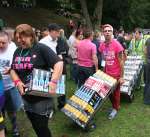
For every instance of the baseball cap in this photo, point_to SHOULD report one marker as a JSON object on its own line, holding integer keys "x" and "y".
{"x": 54, "y": 26}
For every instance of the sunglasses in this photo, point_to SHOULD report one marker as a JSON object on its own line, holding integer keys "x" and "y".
{"x": 107, "y": 30}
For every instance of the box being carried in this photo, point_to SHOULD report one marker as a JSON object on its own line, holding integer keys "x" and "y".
{"x": 39, "y": 84}
{"x": 89, "y": 98}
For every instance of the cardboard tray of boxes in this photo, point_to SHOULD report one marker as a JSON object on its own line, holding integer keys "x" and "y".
{"x": 87, "y": 100}
{"x": 132, "y": 69}
{"x": 38, "y": 84}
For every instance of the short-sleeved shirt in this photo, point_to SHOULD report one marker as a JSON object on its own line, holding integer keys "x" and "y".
{"x": 48, "y": 41}
{"x": 24, "y": 60}
{"x": 5, "y": 61}
{"x": 110, "y": 55}
{"x": 85, "y": 51}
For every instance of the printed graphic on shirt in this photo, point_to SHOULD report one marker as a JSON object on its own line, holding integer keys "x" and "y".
{"x": 3, "y": 64}
{"x": 22, "y": 63}
{"x": 109, "y": 57}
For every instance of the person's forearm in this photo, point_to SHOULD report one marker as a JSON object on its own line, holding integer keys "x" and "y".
{"x": 121, "y": 62}
{"x": 121, "y": 66}
{"x": 13, "y": 75}
{"x": 57, "y": 72}
{"x": 95, "y": 60}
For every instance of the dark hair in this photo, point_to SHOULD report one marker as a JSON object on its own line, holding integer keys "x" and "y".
{"x": 138, "y": 30}
{"x": 78, "y": 32}
{"x": 54, "y": 27}
{"x": 87, "y": 33}
{"x": 44, "y": 29}
{"x": 147, "y": 43}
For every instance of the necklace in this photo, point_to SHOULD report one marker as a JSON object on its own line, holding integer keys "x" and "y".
{"x": 24, "y": 55}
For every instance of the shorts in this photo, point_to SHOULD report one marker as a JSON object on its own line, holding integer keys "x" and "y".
{"x": 13, "y": 100}
{"x": 2, "y": 126}
{"x": 43, "y": 107}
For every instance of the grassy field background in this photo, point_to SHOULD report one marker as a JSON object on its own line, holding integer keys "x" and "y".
{"x": 133, "y": 120}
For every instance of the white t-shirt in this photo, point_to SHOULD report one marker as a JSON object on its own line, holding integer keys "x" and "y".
{"x": 71, "y": 40}
{"x": 5, "y": 61}
{"x": 48, "y": 41}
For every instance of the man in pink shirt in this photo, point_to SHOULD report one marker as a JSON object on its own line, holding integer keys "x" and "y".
{"x": 86, "y": 57}
{"x": 112, "y": 62}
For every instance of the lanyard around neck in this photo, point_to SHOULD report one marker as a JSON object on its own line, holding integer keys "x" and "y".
{"x": 22, "y": 55}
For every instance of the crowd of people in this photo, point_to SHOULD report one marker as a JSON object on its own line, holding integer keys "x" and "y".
{"x": 24, "y": 48}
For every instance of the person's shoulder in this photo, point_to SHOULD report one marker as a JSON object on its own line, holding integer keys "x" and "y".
{"x": 45, "y": 39}
{"x": 41, "y": 46}
{"x": 92, "y": 44}
{"x": 116, "y": 42}
{"x": 12, "y": 45}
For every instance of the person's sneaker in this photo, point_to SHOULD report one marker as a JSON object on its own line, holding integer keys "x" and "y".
{"x": 113, "y": 114}
{"x": 51, "y": 114}
{"x": 109, "y": 110}
{"x": 16, "y": 133}
{"x": 143, "y": 85}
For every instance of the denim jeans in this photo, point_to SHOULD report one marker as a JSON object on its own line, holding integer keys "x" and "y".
{"x": 13, "y": 100}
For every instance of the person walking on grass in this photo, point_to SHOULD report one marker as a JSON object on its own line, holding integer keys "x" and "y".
{"x": 86, "y": 57}
{"x": 30, "y": 55}
{"x": 112, "y": 63}
{"x": 13, "y": 101}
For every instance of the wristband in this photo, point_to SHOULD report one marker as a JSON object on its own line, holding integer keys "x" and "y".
{"x": 54, "y": 81}
{"x": 16, "y": 82}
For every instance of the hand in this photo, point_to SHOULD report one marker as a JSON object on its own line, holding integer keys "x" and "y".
{"x": 52, "y": 88}
{"x": 21, "y": 87}
{"x": 6, "y": 70}
{"x": 121, "y": 81}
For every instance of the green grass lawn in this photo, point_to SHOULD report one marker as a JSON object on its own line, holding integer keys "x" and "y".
{"x": 133, "y": 120}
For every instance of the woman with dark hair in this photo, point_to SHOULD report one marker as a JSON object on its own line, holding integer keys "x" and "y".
{"x": 30, "y": 55}
{"x": 86, "y": 57}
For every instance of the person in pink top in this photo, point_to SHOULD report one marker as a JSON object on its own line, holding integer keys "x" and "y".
{"x": 86, "y": 57}
{"x": 112, "y": 62}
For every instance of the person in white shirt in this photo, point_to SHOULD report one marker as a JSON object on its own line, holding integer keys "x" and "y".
{"x": 13, "y": 101}
{"x": 51, "y": 39}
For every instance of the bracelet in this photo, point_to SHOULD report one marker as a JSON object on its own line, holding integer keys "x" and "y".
{"x": 16, "y": 82}
{"x": 54, "y": 81}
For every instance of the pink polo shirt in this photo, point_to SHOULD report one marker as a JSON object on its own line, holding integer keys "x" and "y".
{"x": 110, "y": 55}
{"x": 85, "y": 51}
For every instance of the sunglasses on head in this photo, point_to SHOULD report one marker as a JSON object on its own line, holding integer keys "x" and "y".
{"x": 107, "y": 30}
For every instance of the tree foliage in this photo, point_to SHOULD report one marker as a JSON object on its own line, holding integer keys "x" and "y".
{"x": 127, "y": 13}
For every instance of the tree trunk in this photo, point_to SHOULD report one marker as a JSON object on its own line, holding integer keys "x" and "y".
{"x": 34, "y": 3}
{"x": 86, "y": 13}
{"x": 98, "y": 14}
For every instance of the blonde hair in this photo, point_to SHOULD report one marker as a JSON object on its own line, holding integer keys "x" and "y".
{"x": 107, "y": 25}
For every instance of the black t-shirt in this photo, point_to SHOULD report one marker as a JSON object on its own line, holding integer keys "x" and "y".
{"x": 24, "y": 60}
{"x": 62, "y": 49}
{"x": 122, "y": 41}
